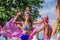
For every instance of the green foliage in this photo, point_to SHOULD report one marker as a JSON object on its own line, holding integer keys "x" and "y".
{"x": 9, "y": 8}
{"x": 59, "y": 28}
{"x": 58, "y": 24}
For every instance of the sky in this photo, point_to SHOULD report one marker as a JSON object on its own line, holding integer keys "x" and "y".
{"x": 49, "y": 9}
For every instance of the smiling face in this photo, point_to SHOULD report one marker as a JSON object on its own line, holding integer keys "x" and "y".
{"x": 26, "y": 16}
{"x": 46, "y": 20}
{"x": 45, "y": 23}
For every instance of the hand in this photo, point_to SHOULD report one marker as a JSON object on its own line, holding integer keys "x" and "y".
{"x": 19, "y": 13}
{"x": 42, "y": 20}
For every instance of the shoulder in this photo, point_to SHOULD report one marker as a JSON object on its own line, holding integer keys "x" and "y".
{"x": 50, "y": 27}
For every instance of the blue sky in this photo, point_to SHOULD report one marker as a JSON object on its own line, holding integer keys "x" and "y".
{"x": 49, "y": 8}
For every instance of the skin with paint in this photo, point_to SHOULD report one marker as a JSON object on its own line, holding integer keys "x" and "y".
{"x": 47, "y": 29}
{"x": 26, "y": 20}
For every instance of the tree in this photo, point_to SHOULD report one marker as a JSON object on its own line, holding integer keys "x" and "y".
{"x": 8, "y": 8}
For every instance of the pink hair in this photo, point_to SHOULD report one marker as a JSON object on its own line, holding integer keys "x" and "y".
{"x": 46, "y": 19}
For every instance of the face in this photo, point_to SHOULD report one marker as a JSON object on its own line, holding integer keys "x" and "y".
{"x": 26, "y": 16}
{"x": 45, "y": 24}
{"x": 46, "y": 20}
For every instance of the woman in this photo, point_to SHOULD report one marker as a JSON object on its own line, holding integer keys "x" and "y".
{"x": 26, "y": 25}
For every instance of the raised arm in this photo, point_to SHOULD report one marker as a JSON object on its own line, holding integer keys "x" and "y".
{"x": 41, "y": 28}
{"x": 15, "y": 18}
{"x": 38, "y": 22}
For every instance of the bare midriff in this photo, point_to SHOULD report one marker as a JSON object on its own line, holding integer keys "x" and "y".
{"x": 26, "y": 32}
{"x": 46, "y": 33}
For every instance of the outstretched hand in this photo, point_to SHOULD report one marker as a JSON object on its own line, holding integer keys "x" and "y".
{"x": 19, "y": 13}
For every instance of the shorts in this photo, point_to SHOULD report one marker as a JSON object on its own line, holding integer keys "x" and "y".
{"x": 24, "y": 37}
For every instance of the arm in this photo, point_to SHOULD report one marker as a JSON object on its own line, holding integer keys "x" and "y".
{"x": 15, "y": 18}
{"x": 17, "y": 22}
{"x": 55, "y": 29}
{"x": 37, "y": 22}
{"x": 20, "y": 26}
{"x": 41, "y": 28}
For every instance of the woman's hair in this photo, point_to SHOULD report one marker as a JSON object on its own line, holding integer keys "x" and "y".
{"x": 30, "y": 21}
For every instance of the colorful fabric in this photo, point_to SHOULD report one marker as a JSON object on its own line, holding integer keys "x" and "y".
{"x": 10, "y": 28}
{"x": 47, "y": 38}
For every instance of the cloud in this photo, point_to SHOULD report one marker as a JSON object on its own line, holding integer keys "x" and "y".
{"x": 48, "y": 7}
{"x": 49, "y": 1}
{"x": 48, "y": 10}
{"x": 51, "y": 22}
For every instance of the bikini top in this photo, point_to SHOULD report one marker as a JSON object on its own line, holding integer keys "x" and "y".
{"x": 25, "y": 27}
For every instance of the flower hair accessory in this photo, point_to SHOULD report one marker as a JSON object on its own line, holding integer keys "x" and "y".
{"x": 27, "y": 12}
